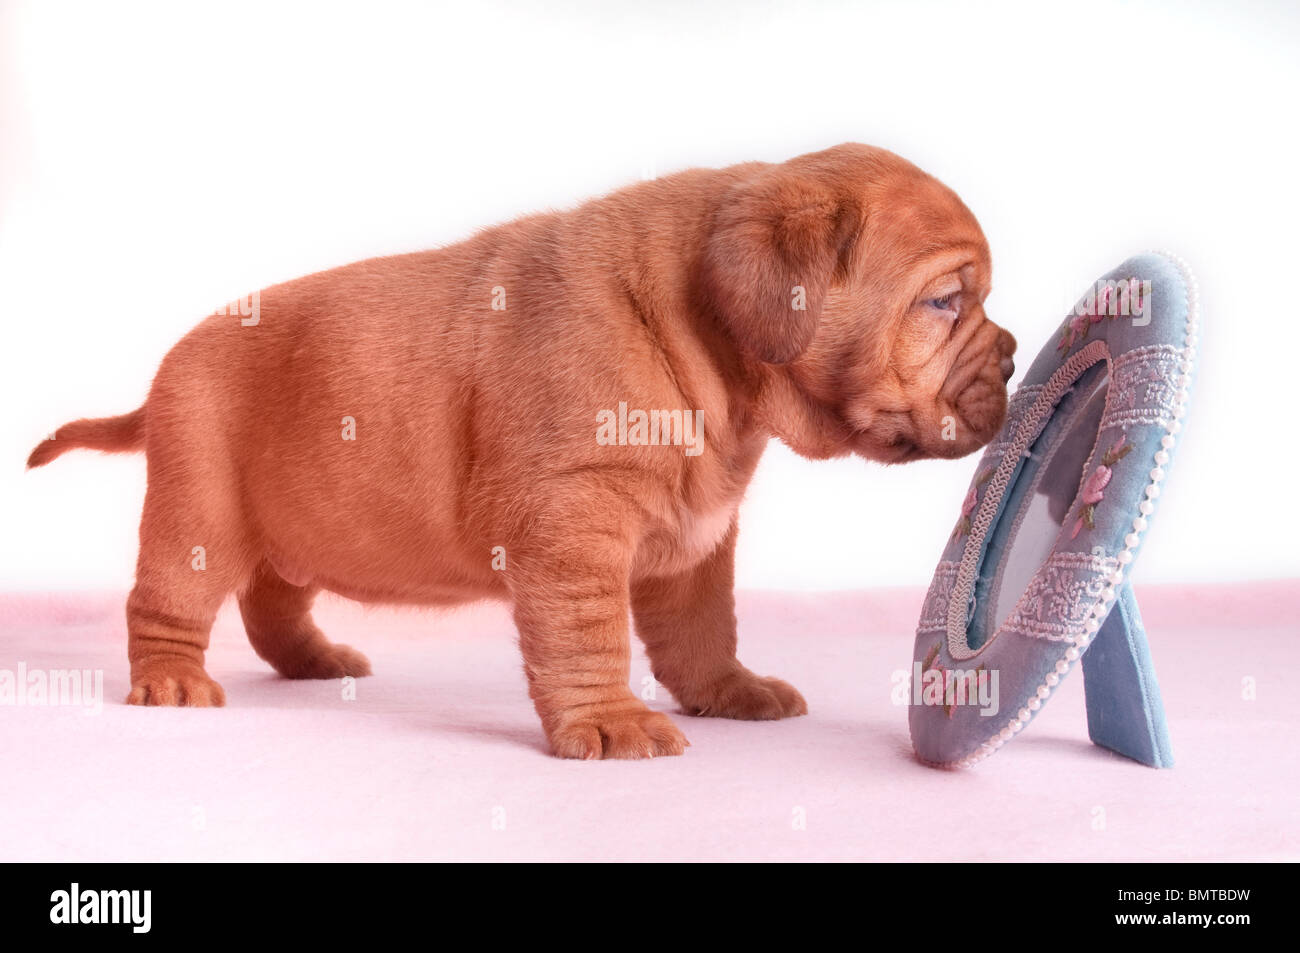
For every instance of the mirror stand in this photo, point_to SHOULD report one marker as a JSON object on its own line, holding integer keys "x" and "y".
{"x": 1125, "y": 713}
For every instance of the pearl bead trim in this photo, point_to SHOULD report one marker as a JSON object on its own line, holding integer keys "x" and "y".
{"x": 1131, "y": 541}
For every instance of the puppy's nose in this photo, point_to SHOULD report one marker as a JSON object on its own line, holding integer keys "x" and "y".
{"x": 1008, "y": 368}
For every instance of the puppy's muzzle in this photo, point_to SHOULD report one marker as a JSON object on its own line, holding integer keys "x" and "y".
{"x": 1007, "y": 346}
{"x": 980, "y": 389}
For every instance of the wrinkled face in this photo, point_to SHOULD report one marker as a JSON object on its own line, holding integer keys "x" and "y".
{"x": 854, "y": 283}
{"x": 923, "y": 370}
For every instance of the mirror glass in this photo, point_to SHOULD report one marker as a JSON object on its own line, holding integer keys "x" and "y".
{"x": 1038, "y": 503}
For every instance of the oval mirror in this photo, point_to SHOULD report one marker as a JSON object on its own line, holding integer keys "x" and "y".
{"x": 1055, "y": 515}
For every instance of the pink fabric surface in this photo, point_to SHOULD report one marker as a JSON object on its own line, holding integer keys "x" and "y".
{"x": 441, "y": 757}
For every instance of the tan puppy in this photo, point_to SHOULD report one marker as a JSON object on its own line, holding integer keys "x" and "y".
{"x": 563, "y": 412}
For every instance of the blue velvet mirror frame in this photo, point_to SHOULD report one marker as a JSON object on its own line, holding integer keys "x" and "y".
{"x": 1034, "y": 577}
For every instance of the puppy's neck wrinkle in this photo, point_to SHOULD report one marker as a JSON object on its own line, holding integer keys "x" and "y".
{"x": 688, "y": 345}
{"x": 803, "y": 423}
{"x": 689, "y": 365}
{"x": 658, "y": 341}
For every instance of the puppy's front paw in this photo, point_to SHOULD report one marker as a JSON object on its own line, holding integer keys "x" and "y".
{"x": 747, "y": 696}
{"x": 174, "y": 683}
{"x": 638, "y": 733}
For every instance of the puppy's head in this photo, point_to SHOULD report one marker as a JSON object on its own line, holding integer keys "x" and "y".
{"x": 854, "y": 285}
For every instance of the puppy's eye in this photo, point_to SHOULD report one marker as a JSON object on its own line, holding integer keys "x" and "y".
{"x": 946, "y": 303}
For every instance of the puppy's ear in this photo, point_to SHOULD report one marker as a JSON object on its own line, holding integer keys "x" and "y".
{"x": 778, "y": 242}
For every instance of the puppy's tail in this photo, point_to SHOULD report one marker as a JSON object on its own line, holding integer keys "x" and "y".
{"x": 122, "y": 434}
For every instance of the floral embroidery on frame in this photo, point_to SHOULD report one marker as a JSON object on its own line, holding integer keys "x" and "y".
{"x": 968, "y": 504}
{"x": 1114, "y": 299}
{"x": 1094, "y": 487}
{"x": 952, "y": 683}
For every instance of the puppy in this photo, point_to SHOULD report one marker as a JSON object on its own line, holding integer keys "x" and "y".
{"x": 562, "y": 412}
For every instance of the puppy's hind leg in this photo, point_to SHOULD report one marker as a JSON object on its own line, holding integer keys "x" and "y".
{"x": 277, "y": 617}
{"x": 190, "y": 560}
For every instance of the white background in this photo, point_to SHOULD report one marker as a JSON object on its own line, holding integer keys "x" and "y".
{"x": 157, "y": 160}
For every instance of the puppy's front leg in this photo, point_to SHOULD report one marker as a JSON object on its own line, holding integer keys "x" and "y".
{"x": 571, "y": 607}
{"x": 688, "y": 625}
